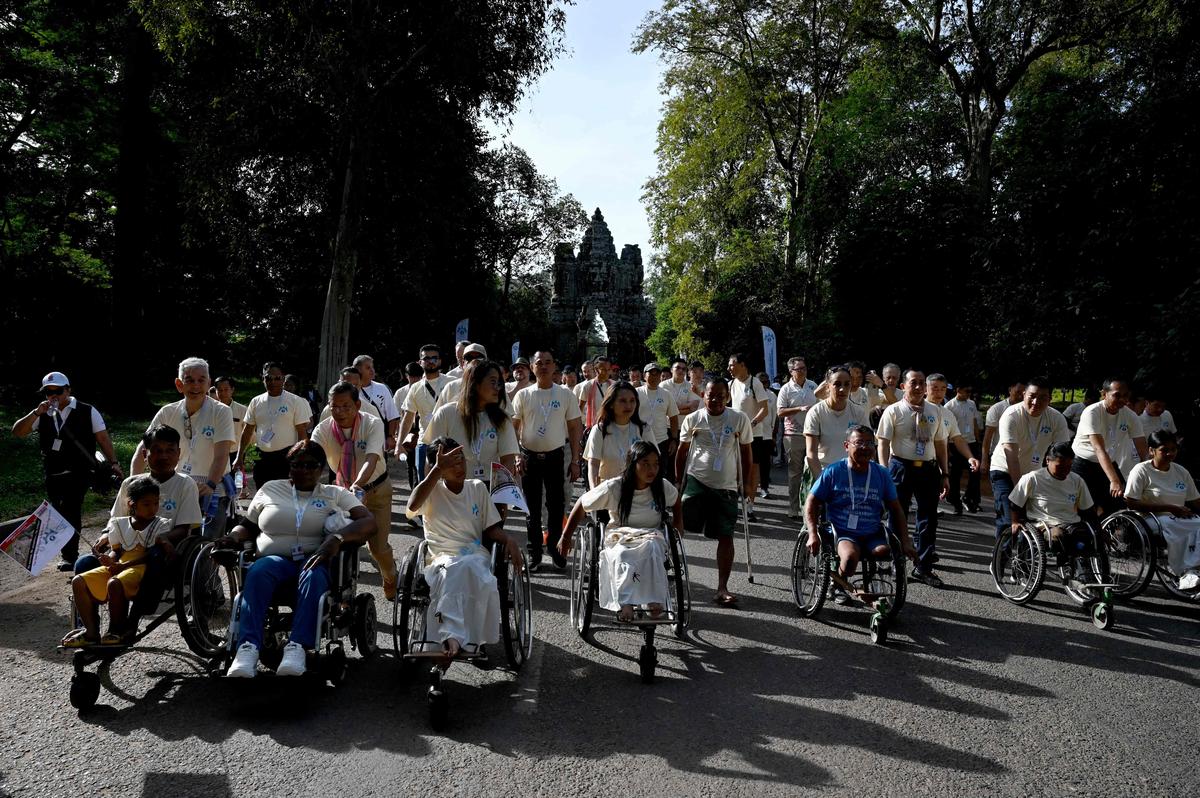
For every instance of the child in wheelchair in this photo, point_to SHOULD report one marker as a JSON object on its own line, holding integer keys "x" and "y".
{"x": 1058, "y": 498}
{"x": 122, "y": 551}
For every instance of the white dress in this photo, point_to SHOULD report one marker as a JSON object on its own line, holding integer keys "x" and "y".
{"x": 631, "y": 555}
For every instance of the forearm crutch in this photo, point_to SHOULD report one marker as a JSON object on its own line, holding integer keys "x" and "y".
{"x": 745, "y": 513}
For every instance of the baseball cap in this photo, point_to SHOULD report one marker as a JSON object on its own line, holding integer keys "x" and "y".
{"x": 476, "y": 349}
{"x": 652, "y": 367}
{"x": 55, "y": 379}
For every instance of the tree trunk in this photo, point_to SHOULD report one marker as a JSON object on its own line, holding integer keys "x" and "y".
{"x": 335, "y": 322}
{"x": 791, "y": 248}
{"x": 981, "y": 132}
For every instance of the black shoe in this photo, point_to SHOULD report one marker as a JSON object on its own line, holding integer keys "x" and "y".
{"x": 750, "y": 516}
{"x": 534, "y": 560}
{"x": 560, "y": 562}
{"x": 958, "y": 510}
{"x": 66, "y": 566}
{"x": 929, "y": 578}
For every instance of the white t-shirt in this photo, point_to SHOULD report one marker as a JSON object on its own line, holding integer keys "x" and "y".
{"x": 457, "y": 371}
{"x": 715, "y": 442}
{"x": 450, "y": 393}
{"x": 1072, "y": 414}
{"x": 643, "y": 512}
{"x": 745, "y": 397}
{"x": 379, "y": 396}
{"x": 590, "y": 394}
{"x": 275, "y": 419}
{"x": 208, "y": 426}
{"x": 793, "y": 395}
{"x": 611, "y": 449}
{"x": 454, "y": 523}
{"x": 863, "y": 398}
{"x": 122, "y": 535}
{"x": 1174, "y": 486}
{"x": 683, "y": 395}
{"x": 994, "y": 412}
{"x": 657, "y": 409}
{"x": 486, "y": 447}
{"x": 1032, "y": 436}
{"x": 1118, "y": 430}
{"x": 903, "y": 427}
{"x": 422, "y": 397}
{"x": 238, "y": 410}
{"x": 275, "y": 507}
{"x": 369, "y": 438}
{"x": 831, "y": 428}
{"x": 1055, "y": 501}
{"x": 772, "y": 415}
{"x": 366, "y": 408}
{"x": 398, "y": 396}
{"x": 511, "y": 388}
{"x": 178, "y": 500}
{"x": 964, "y": 414}
{"x": 1157, "y": 423}
{"x": 544, "y": 414}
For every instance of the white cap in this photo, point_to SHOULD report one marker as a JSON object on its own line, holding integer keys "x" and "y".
{"x": 56, "y": 379}
{"x": 475, "y": 349}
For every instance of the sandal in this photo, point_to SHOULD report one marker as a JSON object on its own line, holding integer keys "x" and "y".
{"x": 725, "y": 600}
{"x": 111, "y": 639}
{"x": 77, "y": 638}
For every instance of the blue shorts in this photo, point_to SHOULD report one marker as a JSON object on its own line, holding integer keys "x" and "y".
{"x": 867, "y": 542}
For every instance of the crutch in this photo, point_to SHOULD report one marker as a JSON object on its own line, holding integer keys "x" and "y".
{"x": 745, "y": 512}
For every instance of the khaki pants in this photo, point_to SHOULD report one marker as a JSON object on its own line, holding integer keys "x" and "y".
{"x": 797, "y": 489}
{"x": 378, "y": 501}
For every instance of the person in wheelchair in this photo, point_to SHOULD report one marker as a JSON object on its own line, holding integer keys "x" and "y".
{"x": 122, "y": 554}
{"x": 634, "y": 549}
{"x": 459, "y": 516}
{"x": 297, "y": 528}
{"x": 1058, "y": 497}
{"x": 1164, "y": 488}
{"x": 852, "y": 494}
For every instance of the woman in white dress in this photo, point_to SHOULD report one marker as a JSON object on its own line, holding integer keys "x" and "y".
{"x": 633, "y": 550}
{"x": 1163, "y": 487}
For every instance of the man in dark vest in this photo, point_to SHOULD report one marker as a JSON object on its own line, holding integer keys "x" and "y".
{"x": 69, "y": 432}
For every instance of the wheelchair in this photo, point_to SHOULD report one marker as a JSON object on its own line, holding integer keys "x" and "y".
{"x": 410, "y": 624}
{"x": 1019, "y": 565}
{"x": 197, "y": 596}
{"x": 343, "y": 614}
{"x": 1137, "y": 540}
{"x": 585, "y": 590}
{"x": 881, "y": 583}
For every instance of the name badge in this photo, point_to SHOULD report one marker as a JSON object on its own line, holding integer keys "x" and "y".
{"x": 54, "y": 447}
{"x": 267, "y": 436}
{"x": 1037, "y": 458}
{"x": 297, "y": 552}
{"x": 478, "y": 472}
{"x": 186, "y": 468}
{"x": 541, "y": 431}
{"x": 718, "y": 463}
{"x": 920, "y": 448}
{"x": 852, "y": 521}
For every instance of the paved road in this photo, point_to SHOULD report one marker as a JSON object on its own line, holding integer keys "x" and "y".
{"x": 971, "y": 697}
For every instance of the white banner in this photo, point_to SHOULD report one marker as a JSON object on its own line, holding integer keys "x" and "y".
{"x": 769, "y": 351}
{"x": 505, "y": 489}
{"x": 38, "y": 539}
{"x": 460, "y": 331}
{"x": 516, "y": 351}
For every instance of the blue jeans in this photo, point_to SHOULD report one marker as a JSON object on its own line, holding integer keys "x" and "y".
{"x": 1002, "y": 485}
{"x": 422, "y": 460}
{"x": 264, "y": 576}
{"x": 925, "y": 484}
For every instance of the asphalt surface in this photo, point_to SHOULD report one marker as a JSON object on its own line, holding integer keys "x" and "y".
{"x": 971, "y": 696}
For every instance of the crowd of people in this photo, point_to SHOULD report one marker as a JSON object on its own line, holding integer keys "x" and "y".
{"x": 654, "y": 446}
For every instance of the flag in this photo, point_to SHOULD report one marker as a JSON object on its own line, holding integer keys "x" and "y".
{"x": 505, "y": 489}
{"x": 769, "y": 351}
{"x": 460, "y": 331}
{"x": 38, "y": 539}
{"x": 516, "y": 351}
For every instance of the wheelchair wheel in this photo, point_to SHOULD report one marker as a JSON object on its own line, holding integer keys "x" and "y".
{"x": 403, "y": 605}
{"x": 1098, "y": 571}
{"x": 85, "y": 690}
{"x": 679, "y": 583}
{"x": 1019, "y": 565}
{"x": 334, "y": 665}
{"x": 1131, "y": 553}
{"x": 810, "y": 576}
{"x": 879, "y": 625}
{"x": 516, "y": 609}
{"x": 1170, "y": 580}
{"x": 364, "y": 628}
{"x": 583, "y": 578}
{"x": 888, "y": 579}
{"x": 647, "y": 662}
{"x": 205, "y": 607}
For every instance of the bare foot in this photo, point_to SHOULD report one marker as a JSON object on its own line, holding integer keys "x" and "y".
{"x": 452, "y": 648}
{"x": 626, "y": 612}
{"x": 656, "y": 610}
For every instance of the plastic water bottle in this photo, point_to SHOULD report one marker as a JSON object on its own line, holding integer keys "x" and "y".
{"x": 239, "y": 480}
{"x": 403, "y": 456}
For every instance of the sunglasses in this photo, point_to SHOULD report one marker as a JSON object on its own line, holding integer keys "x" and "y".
{"x": 52, "y": 391}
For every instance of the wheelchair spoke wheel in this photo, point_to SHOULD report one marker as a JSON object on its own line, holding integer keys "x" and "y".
{"x": 85, "y": 690}
{"x": 810, "y": 576}
{"x": 364, "y": 630}
{"x": 1019, "y": 565}
{"x": 403, "y": 605}
{"x": 583, "y": 579}
{"x": 206, "y": 612}
{"x": 516, "y": 612}
{"x": 680, "y": 587}
{"x": 1131, "y": 553}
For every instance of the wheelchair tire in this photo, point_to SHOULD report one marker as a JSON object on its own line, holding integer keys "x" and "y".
{"x": 85, "y": 690}
{"x": 516, "y": 609}
{"x": 365, "y": 627}
{"x": 680, "y": 583}
{"x": 402, "y": 606}
{"x": 1019, "y": 566}
{"x": 334, "y": 665}
{"x": 584, "y": 570}
{"x": 205, "y": 592}
{"x": 1170, "y": 581}
{"x": 1131, "y": 553}
{"x": 1103, "y": 616}
{"x": 879, "y": 629}
{"x": 810, "y": 576}
{"x": 647, "y": 662}
{"x": 1098, "y": 563}
{"x": 898, "y": 578}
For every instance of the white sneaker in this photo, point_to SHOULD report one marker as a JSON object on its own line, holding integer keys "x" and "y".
{"x": 293, "y": 662}
{"x": 245, "y": 662}
{"x": 1189, "y": 581}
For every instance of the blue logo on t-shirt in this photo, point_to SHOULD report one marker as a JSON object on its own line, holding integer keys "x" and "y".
{"x": 1180, "y": 485}
{"x": 475, "y": 510}
{"x": 1071, "y": 497}
{"x": 169, "y": 505}
{"x": 491, "y": 433}
{"x": 1045, "y": 430}
{"x": 319, "y": 504}
{"x": 1124, "y": 427}
{"x": 283, "y": 409}
{"x": 362, "y": 445}
{"x": 555, "y": 404}
{"x": 208, "y": 432}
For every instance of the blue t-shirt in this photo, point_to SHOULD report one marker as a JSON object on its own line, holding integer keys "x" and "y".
{"x": 864, "y": 495}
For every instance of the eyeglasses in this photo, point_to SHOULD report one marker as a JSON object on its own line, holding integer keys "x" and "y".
{"x": 304, "y": 465}
{"x": 52, "y": 391}
{"x": 187, "y": 426}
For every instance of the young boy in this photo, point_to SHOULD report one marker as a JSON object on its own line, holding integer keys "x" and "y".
{"x": 122, "y": 551}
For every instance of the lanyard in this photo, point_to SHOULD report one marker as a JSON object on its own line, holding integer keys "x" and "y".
{"x": 300, "y": 511}
{"x": 1034, "y": 430}
{"x": 271, "y": 415}
{"x": 544, "y": 407}
{"x": 718, "y": 442}
{"x": 477, "y": 446}
{"x": 850, "y": 483}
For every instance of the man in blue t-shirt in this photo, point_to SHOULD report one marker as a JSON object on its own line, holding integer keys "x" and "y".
{"x": 853, "y": 493}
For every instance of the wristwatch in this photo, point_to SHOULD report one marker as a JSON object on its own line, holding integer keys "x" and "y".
{"x": 340, "y": 537}
{"x": 212, "y": 485}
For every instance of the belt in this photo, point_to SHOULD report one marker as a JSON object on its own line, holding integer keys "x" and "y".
{"x": 913, "y": 463}
{"x": 540, "y": 455}
{"x": 373, "y": 485}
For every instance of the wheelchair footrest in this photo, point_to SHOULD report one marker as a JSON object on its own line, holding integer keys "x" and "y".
{"x": 644, "y": 618}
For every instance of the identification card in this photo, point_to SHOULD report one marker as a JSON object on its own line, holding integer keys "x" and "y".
{"x": 297, "y": 552}
{"x": 852, "y": 521}
{"x": 477, "y": 473}
{"x": 267, "y": 435}
{"x": 541, "y": 431}
{"x": 920, "y": 448}
{"x": 54, "y": 447}
{"x": 1037, "y": 459}
{"x": 186, "y": 468}
{"x": 718, "y": 463}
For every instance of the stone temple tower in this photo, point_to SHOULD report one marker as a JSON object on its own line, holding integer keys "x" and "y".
{"x": 597, "y": 292}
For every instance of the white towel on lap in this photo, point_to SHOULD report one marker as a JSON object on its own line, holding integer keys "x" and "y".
{"x": 464, "y": 602}
{"x": 1183, "y": 542}
{"x": 631, "y": 568}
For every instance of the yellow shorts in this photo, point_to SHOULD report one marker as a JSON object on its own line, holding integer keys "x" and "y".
{"x": 97, "y": 579}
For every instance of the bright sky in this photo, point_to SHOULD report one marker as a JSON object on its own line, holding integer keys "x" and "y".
{"x": 590, "y": 122}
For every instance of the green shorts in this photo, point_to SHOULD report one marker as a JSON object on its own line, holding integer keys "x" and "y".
{"x": 708, "y": 510}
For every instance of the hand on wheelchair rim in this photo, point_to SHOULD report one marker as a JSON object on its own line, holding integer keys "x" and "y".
{"x": 564, "y": 545}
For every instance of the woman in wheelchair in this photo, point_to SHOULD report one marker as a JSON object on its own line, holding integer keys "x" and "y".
{"x": 122, "y": 552}
{"x": 1164, "y": 488}
{"x": 634, "y": 549}
{"x": 464, "y": 600}
{"x": 297, "y": 527}
{"x": 852, "y": 494}
{"x": 1059, "y": 498}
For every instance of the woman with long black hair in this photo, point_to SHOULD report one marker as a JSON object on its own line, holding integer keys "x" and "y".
{"x": 480, "y": 420}
{"x": 618, "y": 428}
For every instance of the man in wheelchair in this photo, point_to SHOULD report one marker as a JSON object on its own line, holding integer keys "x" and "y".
{"x": 1059, "y": 498}
{"x": 459, "y": 516}
{"x": 852, "y": 494}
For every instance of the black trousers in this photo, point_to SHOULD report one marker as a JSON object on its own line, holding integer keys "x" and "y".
{"x": 1097, "y": 484}
{"x": 959, "y": 464}
{"x": 65, "y": 493}
{"x": 543, "y": 471}
{"x": 270, "y": 465}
